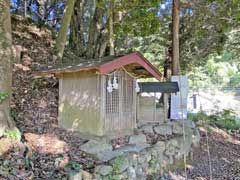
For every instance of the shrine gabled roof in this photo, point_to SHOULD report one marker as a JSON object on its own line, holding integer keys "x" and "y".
{"x": 104, "y": 65}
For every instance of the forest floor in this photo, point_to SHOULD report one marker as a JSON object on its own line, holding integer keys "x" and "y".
{"x": 34, "y": 109}
{"x": 60, "y": 155}
{"x": 222, "y": 162}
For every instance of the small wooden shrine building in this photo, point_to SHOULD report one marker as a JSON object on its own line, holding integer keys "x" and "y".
{"x": 98, "y": 96}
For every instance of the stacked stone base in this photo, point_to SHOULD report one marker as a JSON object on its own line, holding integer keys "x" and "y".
{"x": 138, "y": 159}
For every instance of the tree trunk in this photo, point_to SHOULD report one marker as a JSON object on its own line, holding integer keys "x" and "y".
{"x": 167, "y": 76}
{"x": 76, "y": 39}
{"x": 111, "y": 33}
{"x": 94, "y": 33}
{"x": 102, "y": 44}
{"x": 6, "y": 57}
{"x": 175, "y": 38}
{"x": 62, "y": 35}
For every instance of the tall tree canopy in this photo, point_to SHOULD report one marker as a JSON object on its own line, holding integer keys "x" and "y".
{"x": 140, "y": 25}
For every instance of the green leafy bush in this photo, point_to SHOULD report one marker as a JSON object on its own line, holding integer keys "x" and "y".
{"x": 200, "y": 117}
{"x": 225, "y": 119}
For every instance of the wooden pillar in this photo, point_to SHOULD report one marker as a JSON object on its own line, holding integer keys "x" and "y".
{"x": 155, "y": 107}
{"x": 165, "y": 106}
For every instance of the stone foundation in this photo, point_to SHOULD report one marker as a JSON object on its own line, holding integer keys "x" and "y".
{"x": 138, "y": 158}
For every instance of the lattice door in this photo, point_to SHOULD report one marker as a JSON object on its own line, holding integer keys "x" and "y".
{"x": 119, "y": 107}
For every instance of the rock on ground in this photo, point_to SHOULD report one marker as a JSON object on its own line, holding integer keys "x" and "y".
{"x": 163, "y": 129}
{"x": 137, "y": 139}
{"x": 103, "y": 169}
{"x": 147, "y": 128}
{"x": 95, "y": 147}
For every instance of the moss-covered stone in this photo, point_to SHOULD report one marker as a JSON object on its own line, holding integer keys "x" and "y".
{"x": 104, "y": 170}
{"x": 137, "y": 139}
{"x": 120, "y": 164}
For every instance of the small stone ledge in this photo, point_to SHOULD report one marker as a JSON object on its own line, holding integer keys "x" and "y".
{"x": 137, "y": 159}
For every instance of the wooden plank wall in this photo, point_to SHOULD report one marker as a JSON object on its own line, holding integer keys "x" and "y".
{"x": 79, "y": 102}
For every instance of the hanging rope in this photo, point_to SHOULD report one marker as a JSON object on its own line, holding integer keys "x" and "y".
{"x": 135, "y": 77}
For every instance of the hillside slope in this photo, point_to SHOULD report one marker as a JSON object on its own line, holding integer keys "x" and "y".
{"x": 34, "y": 102}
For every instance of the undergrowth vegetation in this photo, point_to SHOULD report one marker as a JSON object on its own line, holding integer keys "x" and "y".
{"x": 225, "y": 119}
{"x": 14, "y": 134}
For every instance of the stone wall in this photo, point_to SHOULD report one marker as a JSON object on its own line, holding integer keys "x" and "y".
{"x": 140, "y": 157}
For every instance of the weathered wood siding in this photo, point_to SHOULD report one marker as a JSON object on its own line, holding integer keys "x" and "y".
{"x": 79, "y": 102}
{"x": 120, "y": 105}
{"x": 148, "y": 111}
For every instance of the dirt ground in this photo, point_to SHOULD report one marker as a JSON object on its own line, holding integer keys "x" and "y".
{"x": 224, "y": 159}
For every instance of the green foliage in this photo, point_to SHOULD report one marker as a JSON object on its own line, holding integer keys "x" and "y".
{"x": 73, "y": 166}
{"x": 200, "y": 117}
{"x": 225, "y": 119}
{"x": 205, "y": 30}
{"x": 141, "y": 18}
{"x": 118, "y": 162}
{"x": 13, "y": 114}
{"x": 3, "y": 96}
{"x": 27, "y": 162}
{"x": 219, "y": 71}
{"x": 13, "y": 134}
{"x": 153, "y": 47}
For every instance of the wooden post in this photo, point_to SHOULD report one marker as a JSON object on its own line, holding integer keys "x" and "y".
{"x": 135, "y": 104}
{"x": 165, "y": 106}
{"x": 103, "y": 101}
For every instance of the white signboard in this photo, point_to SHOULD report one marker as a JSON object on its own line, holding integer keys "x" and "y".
{"x": 179, "y": 100}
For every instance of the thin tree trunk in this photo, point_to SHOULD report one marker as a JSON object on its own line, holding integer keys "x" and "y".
{"x": 62, "y": 35}
{"x": 111, "y": 33}
{"x": 94, "y": 32}
{"x": 167, "y": 76}
{"x": 76, "y": 39}
{"x": 104, "y": 40}
{"x": 175, "y": 38}
{"x": 6, "y": 57}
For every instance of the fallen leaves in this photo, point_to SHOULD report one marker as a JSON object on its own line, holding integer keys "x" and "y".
{"x": 5, "y": 145}
{"x": 46, "y": 143}
{"x": 22, "y": 67}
